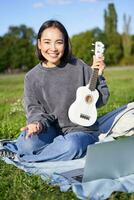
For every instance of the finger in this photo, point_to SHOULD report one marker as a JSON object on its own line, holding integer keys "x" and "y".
{"x": 39, "y": 127}
{"x": 100, "y": 58}
{"x": 28, "y": 135}
{"x": 23, "y": 129}
{"x": 96, "y": 64}
{"x": 32, "y": 130}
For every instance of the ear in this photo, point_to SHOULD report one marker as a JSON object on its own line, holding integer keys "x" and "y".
{"x": 39, "y": 44}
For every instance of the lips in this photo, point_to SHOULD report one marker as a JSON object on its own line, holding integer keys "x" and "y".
{"x": 53, "y": 55}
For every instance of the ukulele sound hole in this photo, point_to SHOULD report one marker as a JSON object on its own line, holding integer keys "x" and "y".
{"x": 84, "y": 116}
{"x": 88, "y": 99}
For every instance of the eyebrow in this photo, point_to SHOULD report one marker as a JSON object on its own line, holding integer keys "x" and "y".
{"x": 45, "y": 39}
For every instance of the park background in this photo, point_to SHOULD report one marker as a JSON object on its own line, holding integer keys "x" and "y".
{"x": 86, "y": 21}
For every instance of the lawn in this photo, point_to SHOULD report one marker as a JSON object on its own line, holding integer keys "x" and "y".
{"x": 16, "y": 184}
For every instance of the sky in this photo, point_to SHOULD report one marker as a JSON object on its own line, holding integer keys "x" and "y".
{"x": 76, "y": 15}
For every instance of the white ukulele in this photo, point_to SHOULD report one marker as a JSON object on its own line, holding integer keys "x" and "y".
{"x": 83, "y": 111}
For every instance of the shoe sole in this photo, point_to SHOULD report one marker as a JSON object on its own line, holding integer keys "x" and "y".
{"x": 7, "y": 153}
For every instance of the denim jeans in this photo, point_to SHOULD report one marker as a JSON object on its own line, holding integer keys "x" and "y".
{"x": 49, "y": 146}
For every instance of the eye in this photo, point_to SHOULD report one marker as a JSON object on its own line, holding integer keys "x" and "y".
{"x": 46, "y": 42}
{"x": 59, "y": 42}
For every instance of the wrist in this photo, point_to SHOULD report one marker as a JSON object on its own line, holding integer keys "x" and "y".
{"x": 100, "y": 73}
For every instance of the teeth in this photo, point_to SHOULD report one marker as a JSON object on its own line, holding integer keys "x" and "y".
{"x": 53, "y": 55}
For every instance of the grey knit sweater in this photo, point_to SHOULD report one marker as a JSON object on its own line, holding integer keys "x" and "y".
{"x": 48, "y": 93}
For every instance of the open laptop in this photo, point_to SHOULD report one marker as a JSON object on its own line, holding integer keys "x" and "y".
{"x": 107, "y": 160}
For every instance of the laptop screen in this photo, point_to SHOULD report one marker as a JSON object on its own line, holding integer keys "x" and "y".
{"x": 110, "y": 160}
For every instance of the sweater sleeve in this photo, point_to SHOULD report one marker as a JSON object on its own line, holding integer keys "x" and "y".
{"x": 35, "y": 111}
{"x": 103, "y": 91}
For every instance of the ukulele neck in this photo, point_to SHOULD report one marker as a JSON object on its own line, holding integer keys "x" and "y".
{"x": 93, "y": 79}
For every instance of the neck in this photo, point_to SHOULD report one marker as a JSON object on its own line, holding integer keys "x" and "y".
{"x": 48, "y": 65}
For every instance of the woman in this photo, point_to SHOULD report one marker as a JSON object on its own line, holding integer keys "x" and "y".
{"x": 49, "y": 90}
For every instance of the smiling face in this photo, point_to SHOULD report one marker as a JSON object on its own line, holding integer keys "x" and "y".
{"x": 51, "y": 45}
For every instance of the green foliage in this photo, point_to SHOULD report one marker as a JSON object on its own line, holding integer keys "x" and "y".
{"x": 17, "y": 50}
{"x": 15, "y": 183}
{"x": 80, "y": 45}
{"x": 22, "y": 32}
{"x": 132, "y": 47}
{"x": 114, "y": 50}
{"x": 127, "y": 61}
{"x": 126, "y": 38}
{"x": 119, "y": 49}
{"x": 110, "y": 19}
{"x": 113, "y": 55}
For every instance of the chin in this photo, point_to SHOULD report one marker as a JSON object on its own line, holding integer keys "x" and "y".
{"x": 55, "y": 61}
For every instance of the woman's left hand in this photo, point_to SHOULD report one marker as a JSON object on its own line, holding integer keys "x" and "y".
{"x": 98, "y": 63}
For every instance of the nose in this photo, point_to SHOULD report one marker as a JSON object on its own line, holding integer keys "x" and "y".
{"x": 53, "y": 46}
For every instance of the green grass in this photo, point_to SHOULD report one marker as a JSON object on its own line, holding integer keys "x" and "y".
{"x": 16, "y": 184}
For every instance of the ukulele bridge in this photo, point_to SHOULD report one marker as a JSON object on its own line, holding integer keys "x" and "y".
{"x": 84, "y": 116}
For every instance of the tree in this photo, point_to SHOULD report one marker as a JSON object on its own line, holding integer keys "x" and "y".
{"x": 113, "y": 40}
{"x": 113, "y": 55}
{"x": 17, "y": 49}
{"x": 82, "y": 44}
{"x": 22, "y": 32}
{"x": 110, "y": 20}
{"x": 127, "y": 43}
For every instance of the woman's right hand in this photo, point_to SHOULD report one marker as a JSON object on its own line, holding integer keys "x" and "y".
{"x": 33, "y": 128}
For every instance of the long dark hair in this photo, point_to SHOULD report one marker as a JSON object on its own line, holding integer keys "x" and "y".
{"x": 56, "y": 24}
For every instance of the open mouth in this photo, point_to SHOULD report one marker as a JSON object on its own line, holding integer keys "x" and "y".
{"x": 53, "y": 55}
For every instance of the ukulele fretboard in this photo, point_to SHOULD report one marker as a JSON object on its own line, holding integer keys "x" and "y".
{"x": 93, "y": 79}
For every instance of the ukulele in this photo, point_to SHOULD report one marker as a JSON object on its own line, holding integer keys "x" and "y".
{"x": 83, "y": 110}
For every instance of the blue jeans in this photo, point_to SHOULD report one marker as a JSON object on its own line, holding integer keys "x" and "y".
{"x": 49, "y": 146}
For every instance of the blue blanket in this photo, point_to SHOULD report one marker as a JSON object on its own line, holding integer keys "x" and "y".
{"x": 95, "y": 190}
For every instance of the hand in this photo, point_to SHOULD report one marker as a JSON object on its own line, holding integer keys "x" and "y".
{"x": 99, "y": 64}
{"x": 33, "y": 128}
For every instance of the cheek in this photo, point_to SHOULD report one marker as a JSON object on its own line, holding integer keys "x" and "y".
{"x": 44, "y": 49}
{"x": 62, "y": 49}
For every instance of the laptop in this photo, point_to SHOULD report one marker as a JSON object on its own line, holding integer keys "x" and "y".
{"x": 107, "y": 160}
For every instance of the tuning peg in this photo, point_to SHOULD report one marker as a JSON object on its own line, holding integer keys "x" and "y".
{"x": 92, "y": 50}
{"x": 93, "y": 44}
